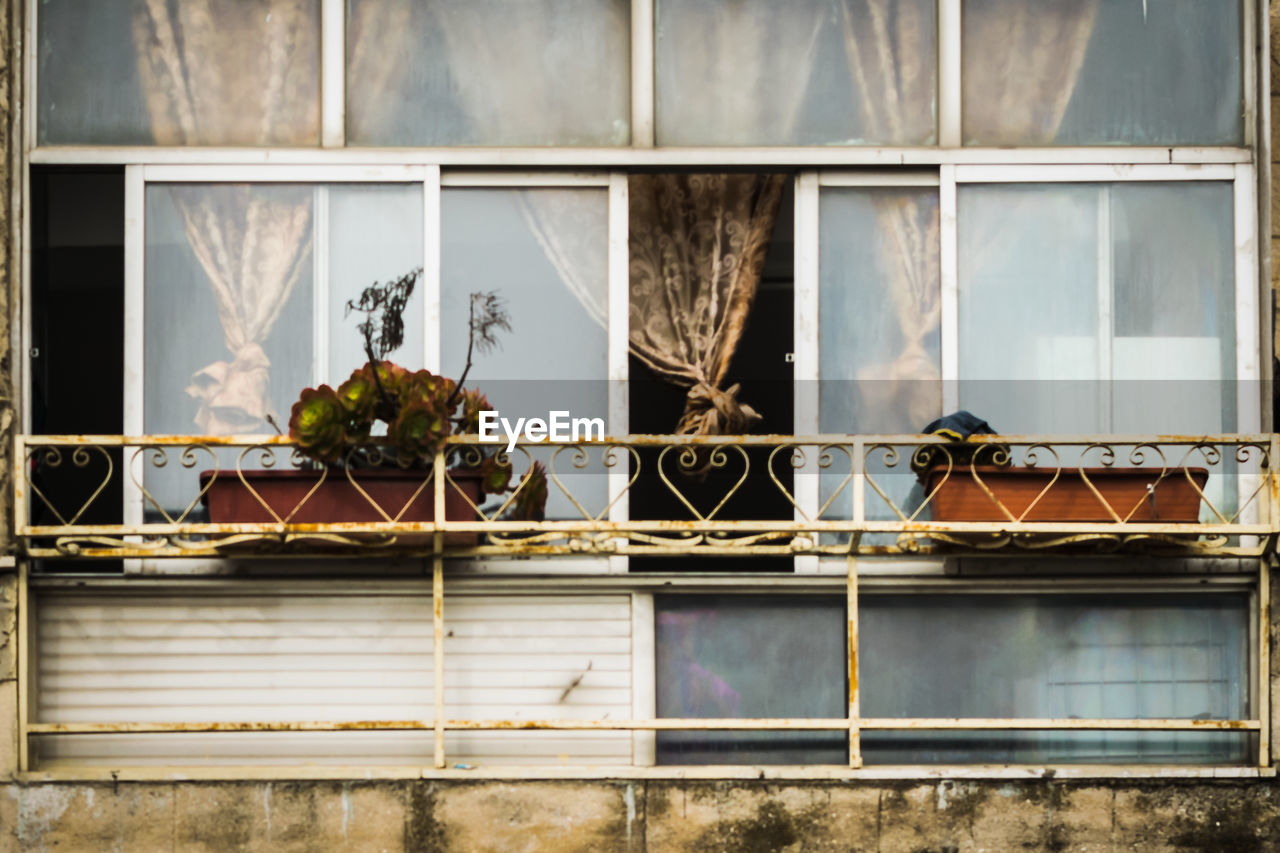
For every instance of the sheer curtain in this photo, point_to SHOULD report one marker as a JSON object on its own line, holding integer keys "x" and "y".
{"x": 698, "y": 245}
{"x": 249, "y": 245}
{"x": 488, "y": 72}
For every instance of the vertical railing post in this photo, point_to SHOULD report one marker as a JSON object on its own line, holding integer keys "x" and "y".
{"x": 851, "y": 603}
{"x": 23, "y": 636}
{"x": 1264, "y": 660}
{"x": 437, "y": 605}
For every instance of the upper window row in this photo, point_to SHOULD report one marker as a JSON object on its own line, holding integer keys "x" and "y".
{"x": 558, "y": 72}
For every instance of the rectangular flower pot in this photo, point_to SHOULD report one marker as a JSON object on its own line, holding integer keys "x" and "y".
{"x": 338, "y": 501}
{"x": 1069, "y": 498}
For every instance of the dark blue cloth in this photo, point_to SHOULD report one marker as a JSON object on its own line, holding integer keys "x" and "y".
{"x": 959, "y": 425}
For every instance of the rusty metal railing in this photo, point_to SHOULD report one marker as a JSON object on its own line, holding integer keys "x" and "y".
{"x": 658, "y": 495}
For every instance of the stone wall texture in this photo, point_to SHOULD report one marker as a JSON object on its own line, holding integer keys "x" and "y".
{"x": 642, "y": 817}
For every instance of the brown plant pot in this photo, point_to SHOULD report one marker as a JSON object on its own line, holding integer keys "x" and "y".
{"x": 1069, "y": 498}
{"x": 337, "y": 501}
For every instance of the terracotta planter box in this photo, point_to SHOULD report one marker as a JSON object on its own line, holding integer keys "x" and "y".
{"x": 1069, "y": 499}
{"x": 338, "y": 501}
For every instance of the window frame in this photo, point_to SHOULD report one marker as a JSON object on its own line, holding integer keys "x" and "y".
{"x": 949, "y": 162}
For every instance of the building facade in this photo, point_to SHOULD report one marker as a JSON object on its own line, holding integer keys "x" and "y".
{"x": 764, "y": 246}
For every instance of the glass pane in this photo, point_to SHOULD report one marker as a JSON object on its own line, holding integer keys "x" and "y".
{"x": 1125, "y": 656}
{"x": 1079, "y": 72}
{"x": 808, "y": 72}
{"x": 223, "y": 72}
{"x": 375, "y": 235}
{"x": 737, "y": 656}
{"x": 878, "y": 259}
{"x": 1089, "y": 307}
{"x": 230, "y": 286}
{"x": 545, "y": 253}
{"x": 488, "y": 72}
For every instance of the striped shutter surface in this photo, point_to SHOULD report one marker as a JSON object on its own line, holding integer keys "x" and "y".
{"x": 144, "y": 657}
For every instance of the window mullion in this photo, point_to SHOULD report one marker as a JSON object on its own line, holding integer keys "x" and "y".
{"x": 949, "y": 100}
{"x": 642, "y": 73}
{"x": 949, "y": 270}
{"x": 430, "y": 282}
{"x": 333, "y": 78}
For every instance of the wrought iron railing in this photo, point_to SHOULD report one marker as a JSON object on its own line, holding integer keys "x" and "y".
{"x": 165, "y": 496}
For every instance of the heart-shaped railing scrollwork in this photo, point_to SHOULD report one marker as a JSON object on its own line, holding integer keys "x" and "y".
{"x": 696, "y": 461}
{"x": 267, "y": 459}
{"x": 580, "y": 458}
{"x": 891, "y": 459}
{"x": 52, "y": 457}
{"x": 157, "y": 458}
{"x": 1031, "y": 458}
{"x": 374, "y": 458}
{"x": 1212, "y": 457}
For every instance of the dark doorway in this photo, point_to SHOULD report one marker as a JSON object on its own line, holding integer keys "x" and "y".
{"x": 762, "y": 366}
{"x": 77, "y": 335}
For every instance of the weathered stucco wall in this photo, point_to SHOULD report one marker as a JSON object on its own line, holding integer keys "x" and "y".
{"x": 639, "y": 817}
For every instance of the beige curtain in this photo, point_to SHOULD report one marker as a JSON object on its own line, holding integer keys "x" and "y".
{"x": 731, "y": 49}
{"x": 236, "y": 72}
{"x": 252, "y": 244}
{"x": 881, "y": 43}
{"x": 230, "y": 72}
{"x": 1021, "y": 67}
{"x": 698, "y": 246}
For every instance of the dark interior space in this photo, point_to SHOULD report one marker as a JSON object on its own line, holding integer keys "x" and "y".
{"x": 763, "y": 368}
{"x": 77, "y": 337}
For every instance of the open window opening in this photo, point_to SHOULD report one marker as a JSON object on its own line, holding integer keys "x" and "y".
{"x": 694, "y": 235}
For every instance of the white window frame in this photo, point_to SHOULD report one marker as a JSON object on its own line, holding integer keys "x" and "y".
{"x": 432, "y": 181}
{"x": 1250, "y": 292}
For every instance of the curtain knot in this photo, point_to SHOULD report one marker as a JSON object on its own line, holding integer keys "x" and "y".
{"x": 711, "y": 411}
{"x": 233, "y": 395}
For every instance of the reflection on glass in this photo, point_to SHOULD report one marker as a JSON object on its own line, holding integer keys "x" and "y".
{"x": 545, "y": 253}
{"x": 229, "y": 291}
{"x": 879, "y": 322}
{"x": 488, "y": 72}
{"x": 1128, "y": 656}
{"x": 1089, "y": 308}
{"x": 219, "y": 72}
{"x": 737, "y": 656}
{"x": 1081, "y": 72}
{"x": 810, "y": 72}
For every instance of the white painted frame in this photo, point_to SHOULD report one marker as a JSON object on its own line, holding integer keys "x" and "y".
{"x": 1251, "y": 292}
{"x": 432, "y": 180}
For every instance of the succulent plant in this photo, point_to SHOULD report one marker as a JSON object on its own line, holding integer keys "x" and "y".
{"x": 318, "y": 423}
{"x": 421, "y": 409}
{"x": 530, "y": 502}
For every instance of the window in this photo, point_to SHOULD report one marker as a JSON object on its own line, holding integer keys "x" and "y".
{"x": 1045, "y": 213}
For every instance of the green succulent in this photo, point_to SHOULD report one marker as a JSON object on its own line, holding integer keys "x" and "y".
{"x": 419, "y": 430}
{"x": 359, "y": 396}
{"x": 425, "y": 386}
{"x": 317, "y": 422}
{"x": 472, "y": 403}
{"x": 495, "y": 475}
{"x": 531, "y": 496}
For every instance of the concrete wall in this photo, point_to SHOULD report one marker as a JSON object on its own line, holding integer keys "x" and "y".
{"x": 563, "y": 817}
{"x": 642, "y": 817}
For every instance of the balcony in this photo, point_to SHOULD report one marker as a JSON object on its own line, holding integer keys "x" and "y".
{"x": 649, "y": 495}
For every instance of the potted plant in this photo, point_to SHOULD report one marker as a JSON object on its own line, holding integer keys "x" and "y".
{"x": 961, "y": 487}
{"x": 357, "y": 476}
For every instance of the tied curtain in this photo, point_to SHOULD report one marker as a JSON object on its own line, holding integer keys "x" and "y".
{"x": 243, "y": 72}
{"x": 1048, "y": 43}
{"x": 698, "y": 246}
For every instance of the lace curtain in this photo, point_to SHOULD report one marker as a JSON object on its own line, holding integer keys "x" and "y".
{"x": 235, "y": 71}
{"x": 698, "y": 246}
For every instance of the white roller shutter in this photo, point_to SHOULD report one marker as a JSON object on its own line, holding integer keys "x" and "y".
{"x": 128, "y": 656}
